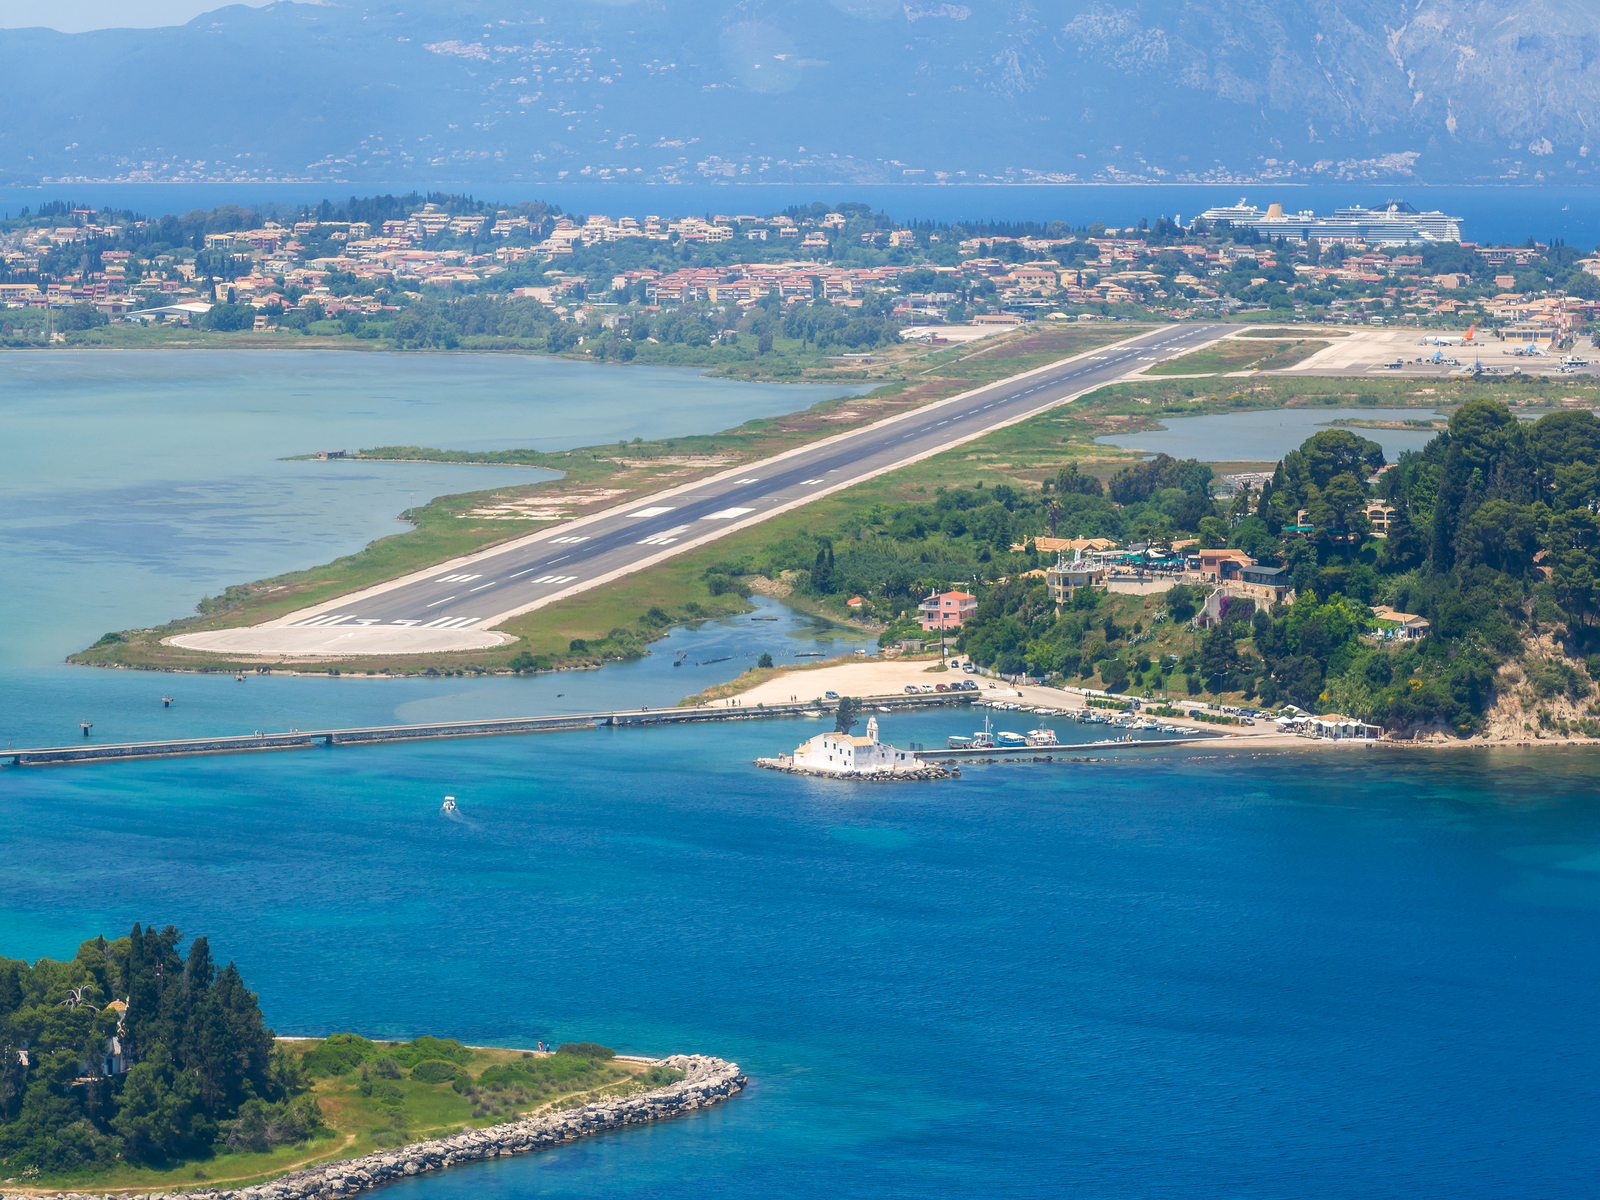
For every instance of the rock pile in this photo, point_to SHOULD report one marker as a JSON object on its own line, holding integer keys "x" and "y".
{"x": 912, "y": 775}
{"x": 706, "y": 1081}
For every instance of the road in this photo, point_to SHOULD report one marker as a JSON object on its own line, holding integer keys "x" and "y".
{"x": 455, "y": 606}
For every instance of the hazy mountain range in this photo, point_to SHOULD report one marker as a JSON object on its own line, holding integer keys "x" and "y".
{"x": 881, "y": 91}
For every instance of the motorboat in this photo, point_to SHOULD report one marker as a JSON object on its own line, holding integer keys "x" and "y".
{"x": 982, "y": 739}
{"x": 449, "y": 805}
{"x": 1042, "y": 737}
{"x": 957, "y": 742}
{"x": 1006, "y": 738}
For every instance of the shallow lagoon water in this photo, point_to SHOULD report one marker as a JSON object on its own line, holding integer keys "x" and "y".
{"x": 1266, "y": 435}
{"x": 139, "y": 482}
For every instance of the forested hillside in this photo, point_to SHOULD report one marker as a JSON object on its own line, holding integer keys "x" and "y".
{"x": 1494, "y": 540}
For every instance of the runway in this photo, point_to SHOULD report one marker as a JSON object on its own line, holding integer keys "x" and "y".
{"x": 454, "y": 606}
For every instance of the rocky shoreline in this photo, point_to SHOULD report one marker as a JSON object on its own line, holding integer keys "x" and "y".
{"x": 899, "y": 775}
{"x": 706, "y": 1081}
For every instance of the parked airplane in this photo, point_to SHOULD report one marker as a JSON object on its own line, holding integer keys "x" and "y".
{"x": 1450, "y": 339}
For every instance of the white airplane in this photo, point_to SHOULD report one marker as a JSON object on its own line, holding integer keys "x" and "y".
{"x": 1450, "y": 339}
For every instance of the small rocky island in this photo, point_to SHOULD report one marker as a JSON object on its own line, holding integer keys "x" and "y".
{"x": 839, "y": 755}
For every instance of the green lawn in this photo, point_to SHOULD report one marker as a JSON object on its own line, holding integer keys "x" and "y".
{"x": 1233, "y": 354}
{"x": 364, "y": 1115}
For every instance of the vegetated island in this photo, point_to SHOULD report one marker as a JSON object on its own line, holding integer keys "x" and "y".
{"x": 134, "y": 1065}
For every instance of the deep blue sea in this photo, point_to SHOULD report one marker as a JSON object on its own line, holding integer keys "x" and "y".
{"x": 1358, "y": 974}
{"x": 1363, "y": 974}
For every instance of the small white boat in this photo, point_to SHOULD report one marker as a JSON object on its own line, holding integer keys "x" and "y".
{"x": 1042, "y": 737}
{"x": 957, "y": 742}
{"x": 982, "y": 739}
{"x": 449, "y": 805}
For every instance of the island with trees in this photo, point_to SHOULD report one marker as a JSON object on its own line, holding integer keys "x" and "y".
{"x": 138, "y": 1063}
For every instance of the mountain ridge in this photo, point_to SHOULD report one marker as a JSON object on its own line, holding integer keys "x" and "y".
{"x": 865, "y": 91}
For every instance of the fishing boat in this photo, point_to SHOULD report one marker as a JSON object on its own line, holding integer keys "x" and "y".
{"x": 449, "y": 805}
{"x": 957, "y": 742}
{"x": 1006, "y": 738}
{"x": 982, "y": 739}
{"x": 1042, "y": 737}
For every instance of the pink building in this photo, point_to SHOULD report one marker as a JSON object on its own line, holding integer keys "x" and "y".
{"x": 947, "y": 610}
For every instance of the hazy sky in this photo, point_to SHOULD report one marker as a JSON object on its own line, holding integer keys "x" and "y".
{"x": 76, "y": 16}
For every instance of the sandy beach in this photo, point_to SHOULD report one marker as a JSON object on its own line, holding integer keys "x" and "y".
{"x": 874, "y": 677}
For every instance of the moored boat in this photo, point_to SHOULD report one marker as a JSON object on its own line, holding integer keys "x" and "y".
{"x": 1042, "y": 737}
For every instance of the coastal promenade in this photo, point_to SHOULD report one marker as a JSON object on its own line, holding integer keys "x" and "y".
{"x": 455, "y": 605}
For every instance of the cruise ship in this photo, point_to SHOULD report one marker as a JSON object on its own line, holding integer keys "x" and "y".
{"x": 1393, "y": 223}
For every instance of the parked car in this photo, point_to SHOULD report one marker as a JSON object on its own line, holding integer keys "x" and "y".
{"x": 830, "y": 695}
{"x": 941, "y": 687}
{"x": 911, "y": 689}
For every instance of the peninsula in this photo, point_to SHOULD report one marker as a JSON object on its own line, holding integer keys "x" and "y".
{"x": 158, "y": 1102}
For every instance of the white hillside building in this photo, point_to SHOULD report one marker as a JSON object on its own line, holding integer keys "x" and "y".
{"x": 842, "y": 754}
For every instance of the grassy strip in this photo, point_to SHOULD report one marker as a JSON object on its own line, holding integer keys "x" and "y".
{"x": 594, "y": 478}
{"x": 616, "y": 621}
{"x": 1235, "y": 355}
{"x": 389, "y": 1112}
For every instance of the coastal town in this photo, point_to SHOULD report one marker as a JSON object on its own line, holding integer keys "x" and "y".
{"x": 582, "y": 279}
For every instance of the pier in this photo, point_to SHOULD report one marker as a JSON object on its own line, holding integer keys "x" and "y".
{"x": 320, "y": 738}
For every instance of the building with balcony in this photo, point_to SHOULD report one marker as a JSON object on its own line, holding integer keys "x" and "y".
{"x": 947, "y": 610}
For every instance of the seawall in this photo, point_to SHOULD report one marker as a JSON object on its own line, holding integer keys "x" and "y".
{"x": 88, "y": 751}
{"x": 706, "y": 1081}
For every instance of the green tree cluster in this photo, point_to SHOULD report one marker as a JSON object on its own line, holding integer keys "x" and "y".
{"x": 135, "y": 1051}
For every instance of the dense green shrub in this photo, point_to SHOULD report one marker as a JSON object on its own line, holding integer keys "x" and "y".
{"x": 434, "y": 1071}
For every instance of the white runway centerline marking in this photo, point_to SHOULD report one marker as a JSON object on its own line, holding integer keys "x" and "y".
{"x": 436, "y": 603}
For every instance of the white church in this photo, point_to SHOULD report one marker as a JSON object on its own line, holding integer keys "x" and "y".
{"x": 842, "y": 754}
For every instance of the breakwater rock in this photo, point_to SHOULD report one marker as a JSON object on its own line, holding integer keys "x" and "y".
{"x": 898, "y": 775}
{"x": 706, "y": 1081}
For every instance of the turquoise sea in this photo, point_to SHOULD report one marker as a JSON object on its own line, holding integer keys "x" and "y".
{"x": 1306, "y": 975}
{"x": 1356, "y": 974}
